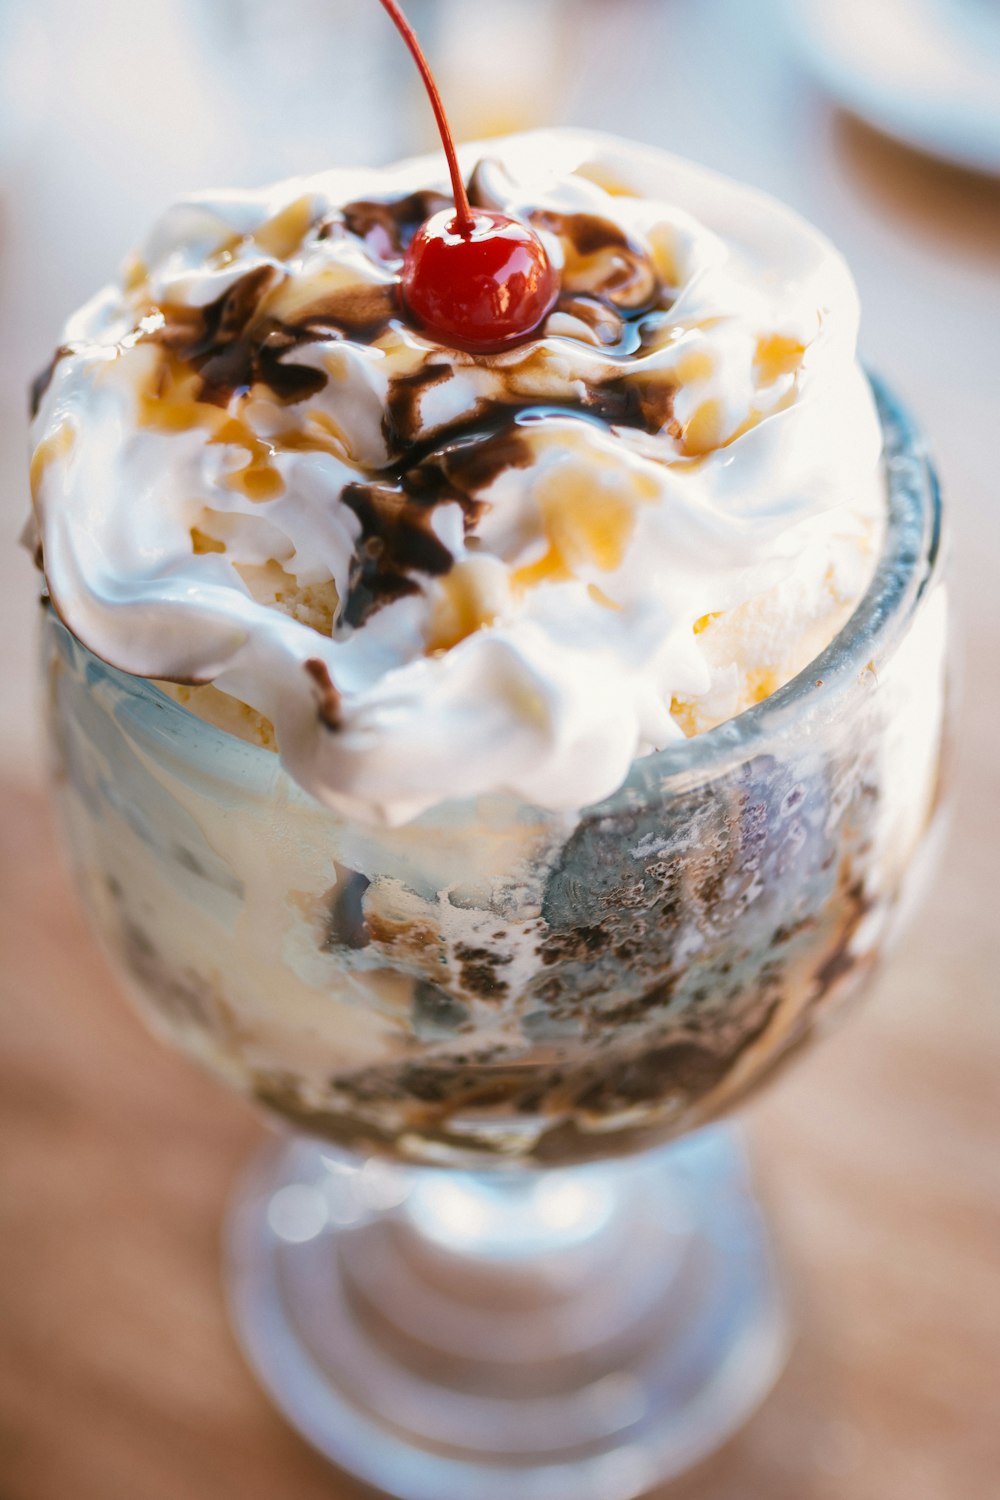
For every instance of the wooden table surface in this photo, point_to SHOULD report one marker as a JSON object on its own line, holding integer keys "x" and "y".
{"x": 879, "y": 1156}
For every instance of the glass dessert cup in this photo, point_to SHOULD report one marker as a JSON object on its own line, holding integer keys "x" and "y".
{"x": 459, "y": 1277}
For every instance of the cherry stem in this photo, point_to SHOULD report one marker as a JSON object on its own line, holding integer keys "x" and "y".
{"x": 464, "y": 221}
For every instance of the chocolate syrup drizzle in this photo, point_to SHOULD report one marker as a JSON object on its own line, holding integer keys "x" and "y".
{"x": 395, "y": 507}
{"x": 387, "y": 225}
{"x": 234, "y": 344}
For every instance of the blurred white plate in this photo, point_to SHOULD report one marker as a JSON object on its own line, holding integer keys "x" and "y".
{"x": 926, "y": 72}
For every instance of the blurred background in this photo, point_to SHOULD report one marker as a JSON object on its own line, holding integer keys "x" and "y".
{"x": 881, "y": 123}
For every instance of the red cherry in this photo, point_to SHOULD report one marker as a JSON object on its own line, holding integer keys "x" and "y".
{"x": 475, "y": 278}
{"x": 481, "y": 288}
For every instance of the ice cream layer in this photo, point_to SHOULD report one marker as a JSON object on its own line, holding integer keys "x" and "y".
{"x": 428, "y": 574}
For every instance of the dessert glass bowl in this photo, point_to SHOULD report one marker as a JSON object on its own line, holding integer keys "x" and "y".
{"x": 455, "y": 1013}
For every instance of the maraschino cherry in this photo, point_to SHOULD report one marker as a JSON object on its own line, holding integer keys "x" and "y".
{"x": 472, "y": 277}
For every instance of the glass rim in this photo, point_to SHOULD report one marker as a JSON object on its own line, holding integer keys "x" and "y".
{"x": 908, "y": 563}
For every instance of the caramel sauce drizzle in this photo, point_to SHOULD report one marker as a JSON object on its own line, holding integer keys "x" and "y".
{"x": 586, "y": 524}
{"x": 462, "y": 608}
{"x": 175, "y": 403}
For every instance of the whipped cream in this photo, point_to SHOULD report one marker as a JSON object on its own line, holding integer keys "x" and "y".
{"x": 438, "y": 574}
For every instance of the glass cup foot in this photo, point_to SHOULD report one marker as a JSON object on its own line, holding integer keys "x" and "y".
{"x": 563, "y": 1335}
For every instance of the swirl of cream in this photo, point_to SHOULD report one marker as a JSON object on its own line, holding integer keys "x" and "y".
{"x": 441, "y": 575}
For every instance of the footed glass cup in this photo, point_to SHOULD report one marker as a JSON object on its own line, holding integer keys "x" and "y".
{"x": 442, "y": 1276}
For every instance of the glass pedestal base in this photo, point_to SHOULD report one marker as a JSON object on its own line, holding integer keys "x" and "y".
{"x": 561, "y": 1335}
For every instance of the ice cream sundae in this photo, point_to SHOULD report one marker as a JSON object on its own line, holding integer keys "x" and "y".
{"x": 449, "y": 571}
